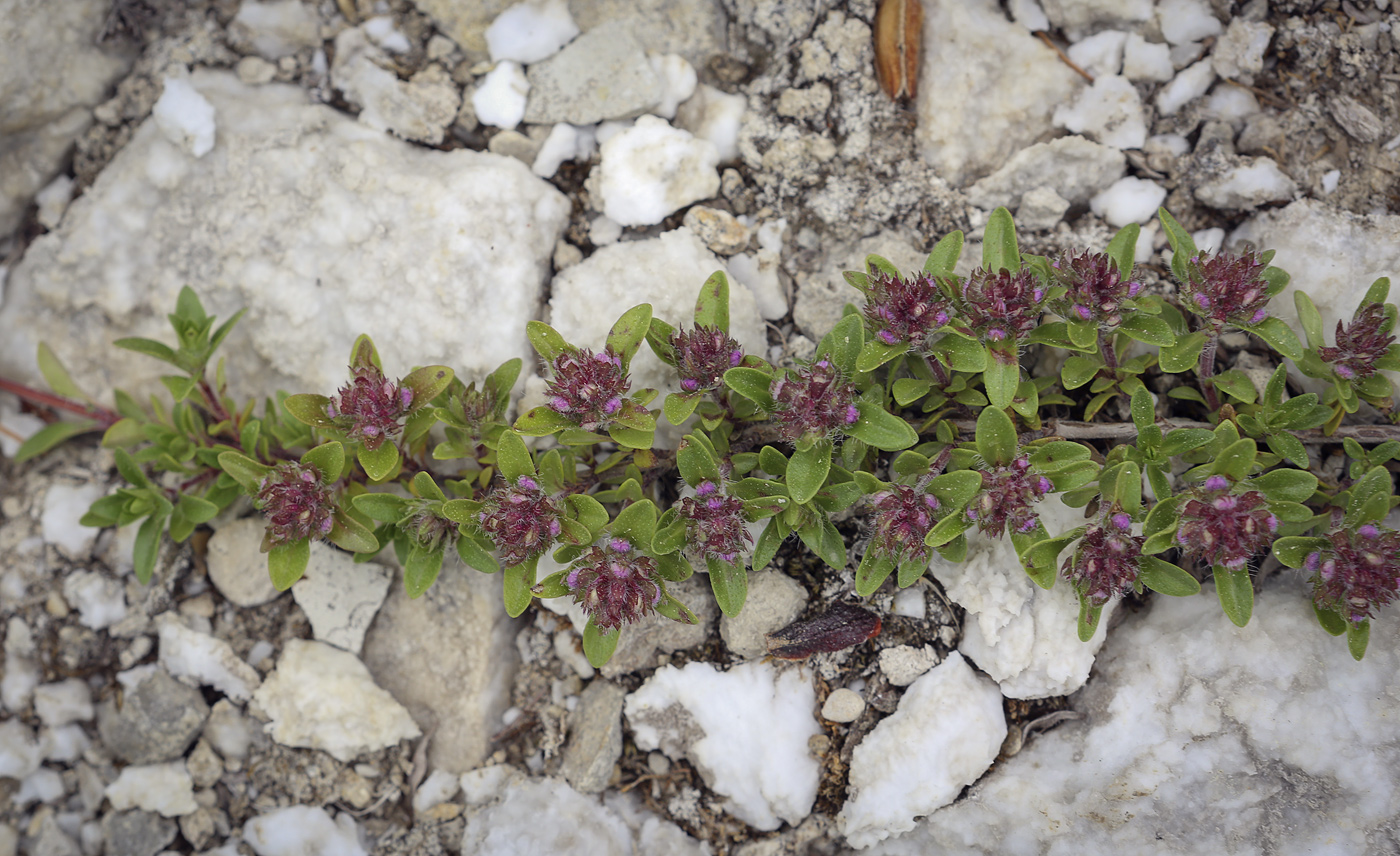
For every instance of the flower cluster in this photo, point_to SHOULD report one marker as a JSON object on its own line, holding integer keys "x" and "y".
{"x": 1222, "y": 528}
{"x": 614, "y": 586}
{"x": 1359, "y": 344}
{"x": 1106, "y": 563}
{"x": 1008, "y": 496}
{"x": 1360, "y": 572}
{"x": 703, "y": 355}
{"x": 1001, "y": 305}
{"x": 903, "y": 518}
{"x": 587, "y": 387}
{"x": 298, "y": 505}
{"x": 369, "y": 408}
{"x": 520, "y": 519}
{"x": 813, "y": 401}
{"x": 1095, "y": 292}
{"x": 905, "y": 310}
{"x": 715, "y": 524}
{"x": 428, "y": 529}
{"x": 1227, "y": 289}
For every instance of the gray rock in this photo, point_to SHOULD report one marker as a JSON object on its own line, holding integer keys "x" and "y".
{"x": 321, "y": 228}
{"x": 137, "y": 833}
{"x": 156, "y": 723}
{"x": 204, "y": 765}
{"x": 449, "y": 657}
{"x": 1073, "y": 167}
{"x": 603, "y": 74}
{"x": 821, "y": 298}
{"x": 695, "y": 29}
{"x": 420, "y": 109}
{"x": 1041, "y": 208}
{"x": 199, "y": 827}
{"x": 775, "y": 600}
{"x": 52, "y": 71}
{"x": 595, "y": 737}
{"x": 52, "y": 841}
{"x": 340, "y": 596}
{"x": 237, "y": 565}
{"x": 1356, "y": 119}
{"x": 465, "y": 23}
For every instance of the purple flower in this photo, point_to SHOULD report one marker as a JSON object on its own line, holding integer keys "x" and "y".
{"x": 298, "y": 505}
{"x": 368, "y": 409}
{"x": 1220, "y": 528}
{"x": 1094, "y": 290}
{"x": 1008, "y": 498}
{"x": 905, "y": 310}
{"x": 520, "y": 519}
{"x": 1358, "y": 574}
{"x": 1227, "y": 289}
{"x": 715, "y": 522}
{"x": 1107, "y": 562}
{"x": 903, "y": 518}
{"x": 1360, "y": 344}
{"x": 613, "y": 585}
{"x": 588, "y": 388}
{"x": 703, "y": 355}
{"x": 813, "y": 400}
{"x": 1002, "y": 305}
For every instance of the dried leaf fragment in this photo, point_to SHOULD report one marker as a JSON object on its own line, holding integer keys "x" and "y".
{"x": 842, "y": 626}
{"x": 899, "y": 35}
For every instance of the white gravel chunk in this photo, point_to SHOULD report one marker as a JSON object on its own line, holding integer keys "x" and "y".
{"x": 530, "y": 31}
{"x": 652, "y": 170}
{"x": 166, "y": 789}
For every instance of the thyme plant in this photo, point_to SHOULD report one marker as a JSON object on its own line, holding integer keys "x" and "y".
{"x": 915, "y": 410}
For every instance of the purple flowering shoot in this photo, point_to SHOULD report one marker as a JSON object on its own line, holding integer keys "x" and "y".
{"x": 1096, "y": 291}
{"x": 813, "y": 401}
{"x": 614, "y": 585}
{"x": 1106, "y": 564}
{"x": 298, "y": 505}
{"x": 520, "y": 519}
{"x": 703, "y": 355}
{"x": 428, "y": 529}
{"x": 1223, "y": 528}
{"x": 1002, "y": 305}
{"x": 1359, "y": 573}
{"x": 1359, "y": 344}
{"x": 715, "y": 523}
{"x": 1008, "y": 498}
{"x": 905, "y": 310}
{"x": 1227, "y": 289}
{"x": 588, "y": 388}
{"x": 903, "y": 518}
{"x": 369, "y": 408}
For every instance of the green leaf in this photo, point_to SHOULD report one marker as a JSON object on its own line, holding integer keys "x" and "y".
{"x": 1310, "y": 319}
{"x": 712, "y": 304}
{"x": 807, "y": 471}
{"x": 1002, "y": 374}
{"x": 287, "y": 562}
{"x": 179, "y": 386}
{"x": 1186, "y": 393}
{"x": 1333, "y": 623}
{"x": 1293, "y": 551}
{"x": 383, "y": 507}
{"x": 1236, "y": 383}
{"x": 51, "y": 436}
{"x": 876, "y": 353}
{"x": 963, "y": 355}
{"x": 476, "y": 556}
{"x": 379, "y": 463}
{"x": 57, "y": 377}
{"x": 751, "y": 384}
{"x": 1183, "y": 440}
{"x": 843, "y": 344}
{"x": 637, "y": 524}
{"x": 872, "y": 573}
{"x": 1377, "y": 293}
{"x": 1088, "y": 619}
{"x": 310, "y": 409}
{"x": 1279, "y": 336}
{"x": 1166, "y": 578}
{"x": 542, "y": 421}
{"x": 996, "y": 437}
{"x": 421, "y": 570}
{"x": 589, "y": 512}
{"x": 1183, "y": 248}
{"x": 632, "y": 438}
{"x": 769, "y": 540}
{"x": 947, "y": 529}
{"x": 513, "y": 458}
{"x": 1078, "y": 371}
{"x": 1285, "y": 445}
{"x": 197, "y": 509}
{"x": 881, "y": 429}
{"x": 244, "y": 470}
{"x": 627, "y": 333}
{"x": 1358, "y": 634}
{"x": 147, "y": 547}
{"x": 1184, "y": 355}
{"x": 999, "y": 249}
{"x": 546, "y": 340}
{"x": 150, "y": 348}
{"x": 956, "y": 489}
{"x": 910, "y": 571}
{"x": 822, "y": 539}
{"x": 730, "y": 583}
{"x": 328, "y": 459}
{"x": 944, "y": 258}
{"x": 1127, "y": 488}
{"x": 598, "y": 645}
{"x": 347, "y": 533}
{"x": 427, "y": 383}
{"x": 771, "y": 461}
{"x": 1123, "y": 249}
{"x": 678, "y": 407}
{"x": 1237, "y": 460}
{"x": 1083, "y": 334}
{"x": 1149, "y": 330}
{"x": 1286, "y": 485}
{"x": 908, "y": 390}
{"x": 696, "y": 460}
{"x": 1236, "y": 593}
{"x": 517, "y": 582}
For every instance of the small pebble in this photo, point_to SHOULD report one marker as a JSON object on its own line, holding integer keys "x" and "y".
{"x": 658, "y": 763}
{"x": 843, "y": 706}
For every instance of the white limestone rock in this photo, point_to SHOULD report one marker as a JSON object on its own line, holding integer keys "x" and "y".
{"x": 530, "y": 31}
{"x": 1184, "y": 21}
{"x": 1100, "y": 54}
{"x": 99, "y": 599}
{"x": 1189, "y": 84}
{"x": 544, "y": 816}
{"x": 185, "y": 117}
{"x": 320, "y": 227}
{"x": 62, "y": 702}
{"x": 64, "y": 505}
{"x": 1109, "y": 112}
{"x": 666, "y": 272}
{"x": 1073, "y": 167}
{"x": 421, "y": 108}
{"x": 1198, "y": 736}
{"x": 500, "y": 98}
{"x": 275, "y": 29}
{"x": 166, "y": 789}
{"x": 1080, "y": 17}
{"x": 1024, "y": 637}
{"x": 302, "y": 830}
{"x": 651, "y": 170}
{"x": 697, "y": 712}
{"x": 1239, "y": 54}
{"x": 204, "y": 660}
{"x": 1128, "y": 200}
{"x": 945, "y": 734}
{"x": 341, "y": 596}
{"x": 1147, "y": 61}
{"x": 987, "y": 89}
{"x": 321, "y": 697}
{"x": 237, "y": 565}
{"x": 714, "y": 115}
{"x": 774, "y": 601}
{"x": 603, "y": 74}
{"x": 1248, "y": 185}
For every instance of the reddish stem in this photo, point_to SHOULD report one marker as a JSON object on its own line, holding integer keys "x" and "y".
{"x": 1206, "y": 370}
{"x": 105, "y": 418}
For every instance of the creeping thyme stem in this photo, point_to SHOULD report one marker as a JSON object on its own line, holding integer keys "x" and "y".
{"x": 1106, "y": 349}
{"x": 104, "y": 417}
{"x": 1206, "y": 370}
{"x": 940, "y": 374}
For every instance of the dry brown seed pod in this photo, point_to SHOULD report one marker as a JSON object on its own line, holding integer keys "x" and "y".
{"x": 899, "y": 35}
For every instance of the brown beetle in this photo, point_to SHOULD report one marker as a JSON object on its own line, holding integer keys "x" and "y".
{"x": 899, "y": 34}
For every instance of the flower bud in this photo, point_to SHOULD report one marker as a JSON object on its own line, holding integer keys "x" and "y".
{"x": 613, "y": 585}
{"x": 297, "y": 504}
{"x": 520, "y": 519}
{"x": 703, "y": 355}
{"x": 1358, "y": 573}
{"x": 813, "y": 400}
